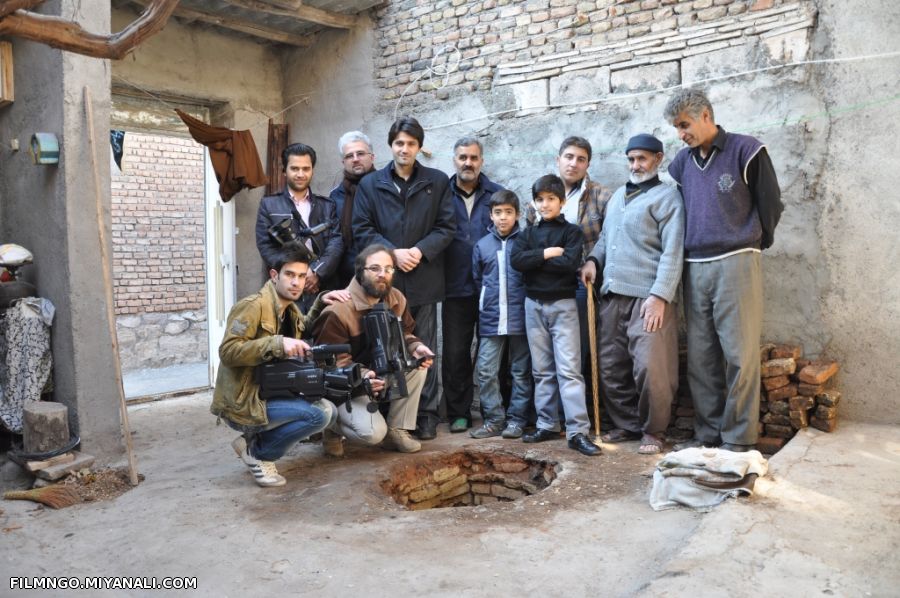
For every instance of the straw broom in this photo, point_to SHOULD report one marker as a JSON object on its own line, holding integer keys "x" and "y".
{"x": 57, "y": 496}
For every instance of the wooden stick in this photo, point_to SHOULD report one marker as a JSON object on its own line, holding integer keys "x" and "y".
{"x": 595, "y": 368}
{"x": 105, "y": 266}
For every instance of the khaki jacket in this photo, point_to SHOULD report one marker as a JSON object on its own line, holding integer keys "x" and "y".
{"x": 251, "y": 338}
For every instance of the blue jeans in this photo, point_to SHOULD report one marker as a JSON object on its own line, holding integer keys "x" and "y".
{"x": 553, "y": 335}
{"x": 290, "y": 421}
{"x": 490, "y": 353}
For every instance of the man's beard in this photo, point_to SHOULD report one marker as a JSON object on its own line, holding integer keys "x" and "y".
{"x": 369, "y": 286}
{"x": 637, "y": 179}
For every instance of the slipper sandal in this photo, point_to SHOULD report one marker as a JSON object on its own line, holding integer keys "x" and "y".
{"x": 650, "y": 445}
{"x": 617, "y": 435}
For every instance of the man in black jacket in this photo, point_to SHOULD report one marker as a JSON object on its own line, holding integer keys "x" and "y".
{"x": 408, "y": 208}
{"x": 305, "y": 210}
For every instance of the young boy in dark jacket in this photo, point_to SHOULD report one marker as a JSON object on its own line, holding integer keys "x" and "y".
{"x": 548, "y": 254}
{"x": 501, "y": 322}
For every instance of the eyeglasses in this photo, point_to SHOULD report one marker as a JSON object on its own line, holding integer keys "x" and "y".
{"x": 356, "y": 155}
{"x": 378, "y": 269}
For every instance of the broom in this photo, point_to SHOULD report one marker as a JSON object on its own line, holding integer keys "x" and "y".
{"x": 56, "y": 496}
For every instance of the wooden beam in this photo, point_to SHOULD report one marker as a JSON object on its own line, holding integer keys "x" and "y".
{"x": 248, "y": 27}
{"x": 69, "y": 36}
{"x": 11, "y": 6}
{"x": 303, "y": 13}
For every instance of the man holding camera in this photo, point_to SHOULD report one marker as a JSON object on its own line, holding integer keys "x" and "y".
{"x": 261, "y": 328}
{"x": 305, "y": 210}
{"x": 343, "y": 323}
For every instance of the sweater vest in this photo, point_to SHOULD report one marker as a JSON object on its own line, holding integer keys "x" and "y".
{"x": 720, "y": 216}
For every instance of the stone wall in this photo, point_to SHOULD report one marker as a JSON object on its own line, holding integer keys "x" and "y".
{"x": 158, "y": 226}
{"x": 447, "y": 44}
{"x": 152, "y": 340}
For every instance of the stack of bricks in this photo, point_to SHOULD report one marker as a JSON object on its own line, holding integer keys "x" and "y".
{"x": 795, "y": 393}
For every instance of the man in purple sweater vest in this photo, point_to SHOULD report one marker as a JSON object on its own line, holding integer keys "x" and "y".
{"x": 732, "y": 205}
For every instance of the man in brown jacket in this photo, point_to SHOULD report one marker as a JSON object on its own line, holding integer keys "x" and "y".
{"x": 342, "y": 323}
{"x": 260, "y": 328}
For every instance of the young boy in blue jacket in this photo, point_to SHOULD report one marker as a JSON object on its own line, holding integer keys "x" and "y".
{"x": 501, "y": 323}
{"x": 548, "y": 254}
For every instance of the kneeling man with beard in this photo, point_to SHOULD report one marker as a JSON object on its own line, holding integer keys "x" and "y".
{"x": 343, "y": 324}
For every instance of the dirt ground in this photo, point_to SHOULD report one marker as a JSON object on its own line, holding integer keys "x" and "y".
{"x": 331, "y": 531}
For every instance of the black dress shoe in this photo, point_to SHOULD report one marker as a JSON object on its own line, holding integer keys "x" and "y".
{"x": 426, "y": 429}
{"x": 583, "y": 445}
{"x": 540, "y": 435}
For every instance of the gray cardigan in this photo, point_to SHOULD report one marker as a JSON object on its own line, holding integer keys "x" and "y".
{"x": 641, "y": 247}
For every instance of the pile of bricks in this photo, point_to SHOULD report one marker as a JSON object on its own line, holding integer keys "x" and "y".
{"x": 795, "y": 393}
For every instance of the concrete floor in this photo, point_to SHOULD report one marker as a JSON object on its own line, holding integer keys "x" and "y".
{"x": 164, "y": 380}
{"x": 826, "y": 521}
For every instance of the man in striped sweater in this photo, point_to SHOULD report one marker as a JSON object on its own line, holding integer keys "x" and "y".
{"x": 640, "y": 256}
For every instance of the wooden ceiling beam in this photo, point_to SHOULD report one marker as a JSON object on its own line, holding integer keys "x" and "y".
{"x": 303, "y": 13}
{"x": 11, "y": 6}
{"x": 248, "y": 27}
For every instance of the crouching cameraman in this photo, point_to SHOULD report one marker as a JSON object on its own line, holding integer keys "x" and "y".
{"x": 343, "y": 323}
{"x": 261, "y": 328}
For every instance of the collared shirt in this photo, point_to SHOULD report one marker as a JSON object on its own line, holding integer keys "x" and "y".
{"x": 402, "y": 184}
{"x": 304, "y": 208}
{"x": 573, "y": 198}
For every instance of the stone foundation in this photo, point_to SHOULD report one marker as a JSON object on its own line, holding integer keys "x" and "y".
{"x": 152, "y": 340}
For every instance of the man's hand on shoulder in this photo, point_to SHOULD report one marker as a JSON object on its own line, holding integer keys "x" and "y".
{"x": 338, "y": 296}
{"x": 294, "y": 347}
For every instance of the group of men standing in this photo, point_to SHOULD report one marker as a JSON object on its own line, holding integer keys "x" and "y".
{"x": 640, "y": 243}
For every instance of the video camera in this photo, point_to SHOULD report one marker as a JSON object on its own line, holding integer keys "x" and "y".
{"x": 283, "y": 233}
{"x": 390, "y": 357}
{"x": 310, "y": 379}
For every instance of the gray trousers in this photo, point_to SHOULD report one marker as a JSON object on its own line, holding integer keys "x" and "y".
{"x": 724, "y": 309}
{"x": 553, "y": 336}
{"x": 362, "y": 427}
{"x": 638, "y": 370}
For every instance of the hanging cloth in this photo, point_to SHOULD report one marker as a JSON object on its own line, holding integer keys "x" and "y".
{"x": 117, "y": 141}
{"x": 26, "y": 362}
{"x": 232, "y": 153}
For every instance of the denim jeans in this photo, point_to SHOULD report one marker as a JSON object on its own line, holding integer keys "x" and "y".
{"x": 490, "y": 353}
{"x": 290, "y": 421}
{"x": 553, "y": 335}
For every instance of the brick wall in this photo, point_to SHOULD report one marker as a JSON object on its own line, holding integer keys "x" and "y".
{"x": 462, "y": 45}
{"x": 158, "y": 226}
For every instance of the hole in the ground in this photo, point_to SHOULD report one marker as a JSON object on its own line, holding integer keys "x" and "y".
{"x": 467, "y": 478}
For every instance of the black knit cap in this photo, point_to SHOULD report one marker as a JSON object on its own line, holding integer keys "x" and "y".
{"x": 644, "y": 141}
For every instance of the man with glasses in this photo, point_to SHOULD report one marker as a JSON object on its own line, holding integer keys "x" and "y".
{"x": 356, "y": 154}
{"x": 343, "y": 324}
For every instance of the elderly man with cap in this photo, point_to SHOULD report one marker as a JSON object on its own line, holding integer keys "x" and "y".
{"x": 640, "y": 254}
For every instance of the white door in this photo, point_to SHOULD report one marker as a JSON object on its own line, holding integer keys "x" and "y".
{"x": 220, "y": 284}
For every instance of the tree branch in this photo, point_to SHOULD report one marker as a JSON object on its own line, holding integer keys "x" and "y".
{"x": 11, "y": 6}
{"x": 66, "y": 35}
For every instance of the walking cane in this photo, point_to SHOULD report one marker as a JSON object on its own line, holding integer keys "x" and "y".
{"x": 595, "y": 370}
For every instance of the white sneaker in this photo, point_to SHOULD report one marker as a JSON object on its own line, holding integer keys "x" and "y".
{"x": 400, "y": 440}
{"x": 332, "y": 443}
{"x": 264, "y": 472}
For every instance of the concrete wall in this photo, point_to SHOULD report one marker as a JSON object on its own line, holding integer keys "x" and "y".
{"x": 50, "y": 210}
{"x": 238, "y": 78}
{"x": 831, "y": 279}
{"x": 335, "y": 78}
